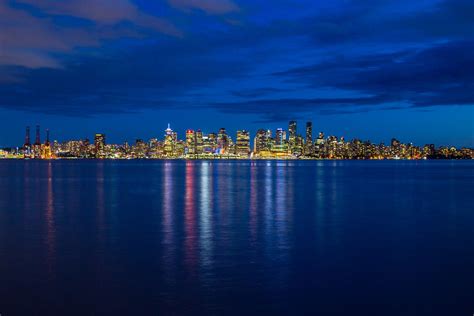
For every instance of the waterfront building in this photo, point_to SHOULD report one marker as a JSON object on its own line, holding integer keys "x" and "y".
{"x": 99, "y": 143}
{"x": 170, "y": 142}
{"x": 243, "y": 143}
{"x": 292, "y": 129}
{"x": 199, "y": 142}
{"x": 308, "y": 149}
{"x": 190, "y": 142}
{"x": 222, "y": 141}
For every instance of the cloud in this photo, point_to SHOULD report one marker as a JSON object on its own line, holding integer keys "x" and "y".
{"x": 208, "y": 6}
{"x": 105, "y": 12}
{"x": 37, "y": 40}
{"x": 257, "y": 92}
{"x": 144, "y": 77}
{"x": 439, "y": 75}
{"x": 280, "y": 109}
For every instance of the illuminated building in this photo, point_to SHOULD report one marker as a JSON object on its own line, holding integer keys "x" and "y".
{"x": 279, "y": 146}
{"x": 221, "y": 146}
{"x": 170, "y": 142}
{"x": 292, "y": 135}
{"x": 243, "y": 143}
{"x": 298, "y": 146}
{"x": 222, "y": 141}
{"x": 309, "y": 138}
{"x": 99, "y": 144}
{"x": 190, "y": 142}
{"x": 260, "y": 142}
{"x": 140, "y": 149}
{"x": 320, "y": 140}
{"x": 199, "y": 142}
{"x": 211, "y": 144}
{"x": 279, "y": 136}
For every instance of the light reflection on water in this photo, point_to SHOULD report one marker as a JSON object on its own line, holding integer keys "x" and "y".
{"x": 185, "y": 237}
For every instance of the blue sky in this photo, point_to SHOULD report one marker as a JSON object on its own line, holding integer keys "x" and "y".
{"x": 360, "y": 69}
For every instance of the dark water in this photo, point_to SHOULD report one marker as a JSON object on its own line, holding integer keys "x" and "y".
{"x": 199, "y": 237}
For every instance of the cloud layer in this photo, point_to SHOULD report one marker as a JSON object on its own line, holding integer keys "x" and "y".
{"x": 86, "y": 58}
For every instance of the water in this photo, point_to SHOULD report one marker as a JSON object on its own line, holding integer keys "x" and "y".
{"x": 236, "y": 237}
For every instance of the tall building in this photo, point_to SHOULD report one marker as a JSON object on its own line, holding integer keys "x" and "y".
{"x": 309, "y": 132}
{"x": 243, "y": 143}
{"x": 309, "y": 138}
{"x": 199, "y": 142}
{"x": 222, "y": 141}
{"x": 170, "y": 142}
{"x": 140, "y": 149}
{"x": 211, "y": 144}
{"x": 260, "y": 142}
{"x": 190, "y": 142}
{"x": 280, "y": 136}
{"x": 99, "y": 143}
{"x": 292, "y": 134}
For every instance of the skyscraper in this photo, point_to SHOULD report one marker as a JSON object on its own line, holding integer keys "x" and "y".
{"x": 260, "y": 141}
{"x": 170, "y": 142}
{"x": 279, "y": 136}
{"x": 99, "y": 143}
{"x": 199, "y": 142}
{"x": 222, "y": 141}
{"x": 309, "y": 138}
{"x": 190, "y": 142}
{"x": 292, "y": 136}
{"x": 243, "y": 143}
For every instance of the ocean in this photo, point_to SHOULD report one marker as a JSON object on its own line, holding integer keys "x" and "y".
{"x": 150, "y": 237}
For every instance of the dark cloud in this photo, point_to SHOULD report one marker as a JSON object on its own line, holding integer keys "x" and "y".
{"x": 277, "y": 110}
{"x": 438, "y": 75}
{"x": 257, "y": 92}
{"x": 208, "y": 6}
{"x": 145, "y": 77}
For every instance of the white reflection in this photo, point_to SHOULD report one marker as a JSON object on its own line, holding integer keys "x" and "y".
{"x": 168, "y": 244}
{"x": 253, "y": 201}
{"x": 51, "y": 229}
{"x": 268, "y": 210}
{"x": 205, "y": 236}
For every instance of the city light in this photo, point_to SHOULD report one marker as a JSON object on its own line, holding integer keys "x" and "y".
{"x": 198, "y": 145}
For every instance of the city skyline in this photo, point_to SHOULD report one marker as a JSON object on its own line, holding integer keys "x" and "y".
{"x": 19, "y": 138}
{"x": 289, "y": 143}
{"x": 372, "y": 70}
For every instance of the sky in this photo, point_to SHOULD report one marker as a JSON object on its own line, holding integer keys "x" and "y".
{"x": 366, "y": 69}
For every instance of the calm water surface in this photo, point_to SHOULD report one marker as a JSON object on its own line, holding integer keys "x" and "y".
{"x": 242, "y": 237}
